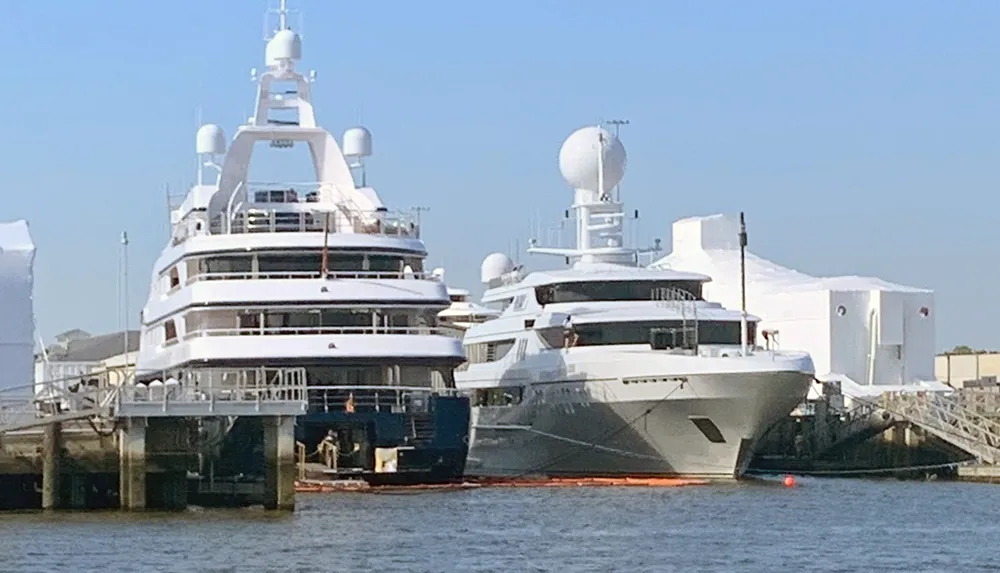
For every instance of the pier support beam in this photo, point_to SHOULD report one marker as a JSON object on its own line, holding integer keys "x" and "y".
{"x": 132, "y": 464}
{"x": 52, "y": 467}
{"x": 279, "y": 458}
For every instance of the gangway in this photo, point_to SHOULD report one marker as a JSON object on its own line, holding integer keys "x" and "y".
{"x": 204, "y": 392}
{"x": 967, "y": 419}
{"x": 35, "y": 405}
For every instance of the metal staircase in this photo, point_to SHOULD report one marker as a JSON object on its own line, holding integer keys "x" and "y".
{"x": 953, "y": 417}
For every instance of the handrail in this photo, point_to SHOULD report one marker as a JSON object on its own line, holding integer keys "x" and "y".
{"x": 344, "y": 219}
{"x": 348, "y": 387}
{"x": 317, "y": 274}
{"x": 256, "y": 385}
{"x": 305, "y": 330}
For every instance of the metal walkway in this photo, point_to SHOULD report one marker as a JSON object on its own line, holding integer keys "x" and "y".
{"x": 198, "y": 392}
{"x": 57, "y": 401}
{"x": 967, "y": 419}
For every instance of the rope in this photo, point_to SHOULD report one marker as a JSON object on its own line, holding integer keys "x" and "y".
{"x": 607, "y": 435}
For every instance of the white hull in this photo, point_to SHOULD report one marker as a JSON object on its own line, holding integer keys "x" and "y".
{"x": 609, "y": 428}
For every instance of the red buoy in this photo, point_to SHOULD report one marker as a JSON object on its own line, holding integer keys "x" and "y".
{"x": 789, "y": 481}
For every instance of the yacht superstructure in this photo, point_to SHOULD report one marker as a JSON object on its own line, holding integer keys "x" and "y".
{"x": 316, "y": 279}
{"x": 462, "y": 313}
{"x": 609, "y": 368}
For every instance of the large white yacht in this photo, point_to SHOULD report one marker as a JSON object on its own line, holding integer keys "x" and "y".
{"x": 316, "y": 275}
{"x": 609, "y": 368}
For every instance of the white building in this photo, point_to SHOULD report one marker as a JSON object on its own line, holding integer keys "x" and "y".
{"x": 76, "y": 353}
{"x": 868, "y": 334}
{"x": 17, "y": 328}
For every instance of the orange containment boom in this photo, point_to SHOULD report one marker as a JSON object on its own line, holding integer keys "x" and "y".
{"x": 319, "y": 486}
{"x": 590, "y": 482}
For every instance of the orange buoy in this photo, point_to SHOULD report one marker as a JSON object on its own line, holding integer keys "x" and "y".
{"x": 789, "y": 481}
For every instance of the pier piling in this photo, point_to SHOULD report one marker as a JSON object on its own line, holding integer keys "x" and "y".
{"x": 279, "y": 452}
{"x": 52, "y": 467}
{"x": 132, "y": 460}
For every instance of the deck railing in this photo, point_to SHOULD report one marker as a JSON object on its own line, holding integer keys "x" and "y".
{"x": 222, "y": 384}
{"x": 314, "y": 330}
{"x": 331, "y": 274}
{"x": 373, "y": 398}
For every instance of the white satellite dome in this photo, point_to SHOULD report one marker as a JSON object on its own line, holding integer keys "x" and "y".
{"x": 285, "y": 45}
{"x": 495, "y": 266}
{"x": 578, "y": 159}
{"x": 210, "y": 140}
{"x": 357, "y": 142}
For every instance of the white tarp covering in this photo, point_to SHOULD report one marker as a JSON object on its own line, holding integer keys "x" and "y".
{"x": 17, "y": 312}
{"x": 862, "y": 328}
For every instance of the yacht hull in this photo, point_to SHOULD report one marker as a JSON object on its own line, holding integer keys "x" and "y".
{"x": 608, "y": 428}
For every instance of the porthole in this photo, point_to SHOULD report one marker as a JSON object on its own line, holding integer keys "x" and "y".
{"x": 924, "y": 312}
{"x": 841, "y": 310}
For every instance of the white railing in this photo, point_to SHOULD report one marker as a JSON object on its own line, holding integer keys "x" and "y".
{"x": 56, "y": 401}
{"x": 331, "y": 274}
{"x": 297, "y": 330}
{"x": 271, "y": 220}
{"x": 947, "y": 417}
{"x": 262, "y": 384}
{"x": 377, "y": 398}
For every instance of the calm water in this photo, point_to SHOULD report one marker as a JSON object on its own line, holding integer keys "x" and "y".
{"x": 821, "y": 525}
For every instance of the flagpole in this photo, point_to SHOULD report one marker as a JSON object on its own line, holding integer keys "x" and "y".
{"x": 744, "y": 333}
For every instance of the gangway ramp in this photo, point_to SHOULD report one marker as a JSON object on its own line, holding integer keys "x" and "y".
{"x": 35, "y": 405}
{"x": 966, "y": 419}
{"x": 210, "y": 392}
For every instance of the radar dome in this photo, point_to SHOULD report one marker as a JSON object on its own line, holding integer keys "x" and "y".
{"x": 285, "y": 45}
{"x": 578, "y": 159}
{"x": 210, "y": 140}
{"x": 357, "y": 142}
{"x": 495, "y": 266}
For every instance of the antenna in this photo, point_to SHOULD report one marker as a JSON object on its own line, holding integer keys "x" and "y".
{"x": 198, "y": 162}
{"x": 617, "y": 124}
{"x": 282, "y": 15}
{"x": 125, "y": 295}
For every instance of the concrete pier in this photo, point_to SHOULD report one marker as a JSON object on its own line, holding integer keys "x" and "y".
{"x": 165, "y": 442}
{"x": 52, "y": 467}
{"x": 279, "y": 456}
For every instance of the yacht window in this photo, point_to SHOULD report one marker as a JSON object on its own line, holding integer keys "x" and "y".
{"x": 709, "y": 332}
{"x": 503, "y": 396}
{"x": 617, "y": 291}
{"x": 519, "y": 302}
{"x": 249, "y": 322}
{"x": 553, "y": 337}
{"x": 175, "y": 278}
{"x": 290, "y": 263}
{"x": 415, "y": 263}
{"x": 343, "y": 262}
{"x": 230, "y": 264}
{"x": 169, "y": 331}
{"x": 291, "y": 320}
{"x": 346, "y": 318}
{"x": 385, "y": 263}
{"x": 492, "y": 351}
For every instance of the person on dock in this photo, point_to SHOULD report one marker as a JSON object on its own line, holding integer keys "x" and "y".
{"x": 328, "y": 449}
